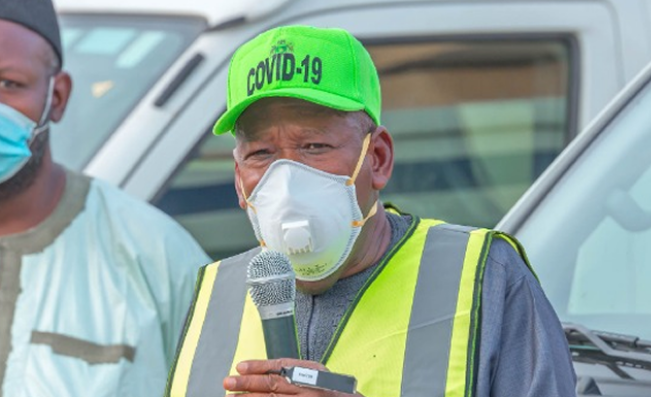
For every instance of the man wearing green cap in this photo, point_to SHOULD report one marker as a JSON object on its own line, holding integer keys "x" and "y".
{"x": 91, "y": 300}
{"x": 408, "y": 306}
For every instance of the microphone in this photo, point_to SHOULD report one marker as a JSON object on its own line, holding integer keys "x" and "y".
{"x": 272, "y": 286}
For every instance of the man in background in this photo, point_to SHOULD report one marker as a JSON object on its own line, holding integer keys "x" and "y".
{"x": 94, "y": 284}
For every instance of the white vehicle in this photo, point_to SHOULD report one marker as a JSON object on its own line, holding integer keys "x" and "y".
{"x": 586, "y": 224}
{"x": 480, "y": 96}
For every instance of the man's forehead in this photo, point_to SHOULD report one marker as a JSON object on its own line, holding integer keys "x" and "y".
{"x": 307, "y": 119}
{"x": 299, "y": 132}
{"x": 284, "y": 108}
{"x": 299, "y": 105}
{"x": 17, "y": 40}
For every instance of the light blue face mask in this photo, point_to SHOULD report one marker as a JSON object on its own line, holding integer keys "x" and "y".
{"x": 17, "y": 132}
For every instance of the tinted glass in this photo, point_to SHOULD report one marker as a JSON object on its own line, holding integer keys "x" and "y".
{"x": 474, "y": 123}
{"x": 113, "y": 60}
{"x": 589, "y": 239}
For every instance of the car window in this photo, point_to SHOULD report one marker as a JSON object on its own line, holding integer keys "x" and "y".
{"x": 114, "y": 60}
{"x": 202, "y": 198}
{"x": 589, "y": 238}
{"x": 474, "y": 123}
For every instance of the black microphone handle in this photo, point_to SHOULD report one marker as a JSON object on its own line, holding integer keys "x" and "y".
{"x": 280, "y": 337}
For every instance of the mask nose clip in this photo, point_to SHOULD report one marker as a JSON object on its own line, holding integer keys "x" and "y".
{"x": 297, "y": 237}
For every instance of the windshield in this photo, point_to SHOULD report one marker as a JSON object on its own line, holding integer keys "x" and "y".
{"x": 590, "y": 239}
{"x": 113, "y": 61}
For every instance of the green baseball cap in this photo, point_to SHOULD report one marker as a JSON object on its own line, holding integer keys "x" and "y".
{"x": 328, "y": 67}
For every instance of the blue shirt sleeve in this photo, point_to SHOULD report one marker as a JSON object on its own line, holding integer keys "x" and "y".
{"x": 523, "y": 351}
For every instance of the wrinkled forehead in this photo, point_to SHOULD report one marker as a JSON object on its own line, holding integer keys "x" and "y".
{"x": 267, "y": 106}
{"x": 276, "y": 109}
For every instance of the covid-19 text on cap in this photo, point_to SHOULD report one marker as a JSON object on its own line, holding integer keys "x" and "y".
{"x": 283, "y": 67}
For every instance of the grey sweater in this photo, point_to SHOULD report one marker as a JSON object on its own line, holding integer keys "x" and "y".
{"x": 523, "y": 351}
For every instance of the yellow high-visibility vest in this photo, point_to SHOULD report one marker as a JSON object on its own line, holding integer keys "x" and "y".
{"x": 411, "y": 331}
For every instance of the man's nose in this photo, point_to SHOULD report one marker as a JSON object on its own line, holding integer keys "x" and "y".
{"x": 293, "y": 154}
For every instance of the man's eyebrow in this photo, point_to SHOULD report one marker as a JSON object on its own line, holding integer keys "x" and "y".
{"x": 10, "y": 67}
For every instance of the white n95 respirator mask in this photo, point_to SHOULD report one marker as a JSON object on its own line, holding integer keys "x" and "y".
{"x": 310, "y": 215}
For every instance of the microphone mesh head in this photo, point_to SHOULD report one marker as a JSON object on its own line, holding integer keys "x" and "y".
{"x": 271, "y": 279}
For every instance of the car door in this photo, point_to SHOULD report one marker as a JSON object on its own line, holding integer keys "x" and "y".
{"x": 586, "y": 224}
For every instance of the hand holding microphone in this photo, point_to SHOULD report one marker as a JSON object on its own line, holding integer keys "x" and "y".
{"x": 272, "y": 286}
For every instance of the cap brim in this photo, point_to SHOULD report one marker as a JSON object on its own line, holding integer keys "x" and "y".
{"x": 227, "y": 121}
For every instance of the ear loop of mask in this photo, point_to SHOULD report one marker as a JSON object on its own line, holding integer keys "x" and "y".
{"x": 43, "y": 123}
{"x": 351, "y": 180}
{"x": 246, "y": 199}
{"x": 249, "y": 205}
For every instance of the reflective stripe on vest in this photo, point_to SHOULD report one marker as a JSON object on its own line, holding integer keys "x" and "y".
{"x": 207, "y": 338}
{"x": 412, "y": 331}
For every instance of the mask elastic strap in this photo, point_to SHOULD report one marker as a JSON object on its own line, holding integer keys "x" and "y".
{"x": 246, "y": 199}
{"x": 248, "y": 204}
{"x": 351, "y": 181}
{"x": 360, "y": 161}
{"x": 43, "y": 123}
{"x": 372, "y": 212}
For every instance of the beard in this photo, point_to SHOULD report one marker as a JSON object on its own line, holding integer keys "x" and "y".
{"x": 25, "y": 178}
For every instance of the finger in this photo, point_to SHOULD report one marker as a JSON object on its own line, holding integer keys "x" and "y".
{"x": 254, "y": 395}
{"x": 252, "y": 367}
{"x": 267, "y": 383}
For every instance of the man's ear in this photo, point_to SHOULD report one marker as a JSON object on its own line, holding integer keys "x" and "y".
{"x": 60, "y": 95}
{"x": 381, "y": 151}
{"x": 238, "y": 187}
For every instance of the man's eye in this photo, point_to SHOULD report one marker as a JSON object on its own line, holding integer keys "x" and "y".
{"x": 4, "y": 83}
{"x": 258, "y": 153}
{"x": 316, "y": 146}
